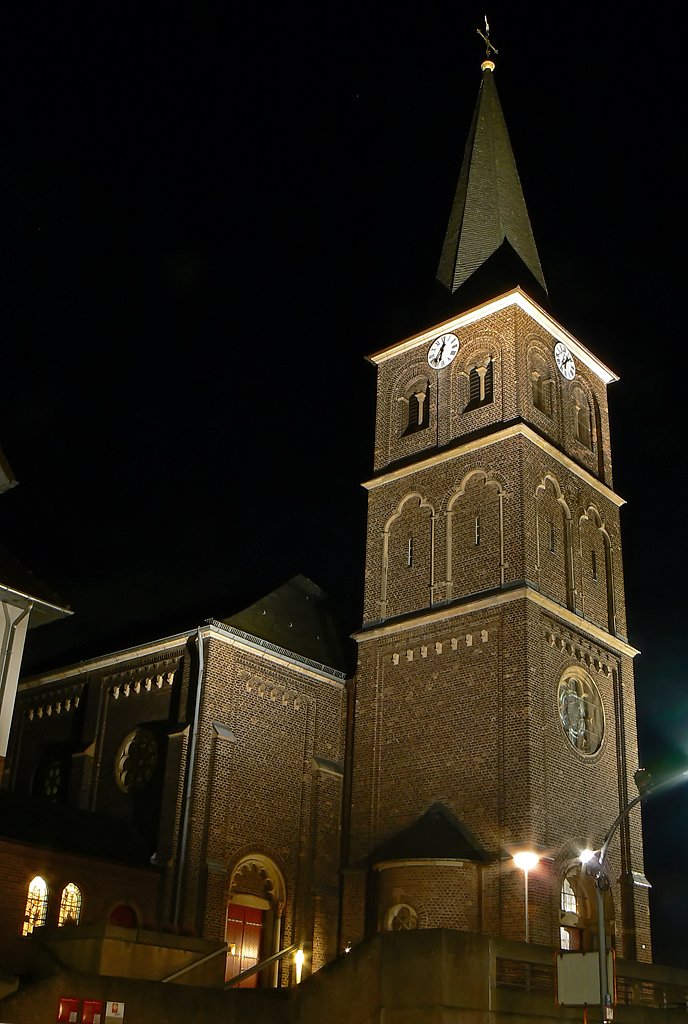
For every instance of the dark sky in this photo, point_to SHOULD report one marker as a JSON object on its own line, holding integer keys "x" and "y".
{"x": 210, "y": 213}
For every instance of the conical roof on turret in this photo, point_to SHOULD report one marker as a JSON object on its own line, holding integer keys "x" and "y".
{"x": 489, "y": 226}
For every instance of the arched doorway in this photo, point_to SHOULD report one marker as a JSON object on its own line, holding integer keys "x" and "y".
{"x": 254, "y": 917}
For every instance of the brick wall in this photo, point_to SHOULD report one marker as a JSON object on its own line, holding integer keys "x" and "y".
{"x": 103, "y": 884}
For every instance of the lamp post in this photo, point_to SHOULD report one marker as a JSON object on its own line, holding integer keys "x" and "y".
{"x": 594, "y": 863}
{"x": 526, "y": 860}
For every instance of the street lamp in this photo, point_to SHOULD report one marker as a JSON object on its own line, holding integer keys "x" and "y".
{"x": 526, "y": 860}
{"x": 594, "y": 862}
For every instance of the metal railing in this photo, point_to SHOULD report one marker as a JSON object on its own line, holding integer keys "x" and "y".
{"x": 260, "y": 966}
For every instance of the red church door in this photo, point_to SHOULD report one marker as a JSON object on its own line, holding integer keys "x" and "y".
{"x": 244, "y": 940}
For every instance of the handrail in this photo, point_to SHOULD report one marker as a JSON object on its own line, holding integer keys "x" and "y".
{"x": 259, "y": 966}
{"x": 197, "y": 963}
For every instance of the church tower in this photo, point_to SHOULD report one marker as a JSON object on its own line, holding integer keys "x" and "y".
{"x": 494, "y": 697}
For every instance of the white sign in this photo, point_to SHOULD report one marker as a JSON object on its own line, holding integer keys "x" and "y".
{"x": 578, "y": 978}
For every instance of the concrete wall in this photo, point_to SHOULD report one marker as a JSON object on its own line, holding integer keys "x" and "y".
{"x": 421, "y": 977}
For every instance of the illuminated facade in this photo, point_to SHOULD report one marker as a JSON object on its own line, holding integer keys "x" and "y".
{"x": 494, "y": 695}
{"x": 492, "y": 709}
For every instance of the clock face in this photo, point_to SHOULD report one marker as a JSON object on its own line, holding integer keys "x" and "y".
{"x": 443, "y": 350}
{"x": 564, "y": 359}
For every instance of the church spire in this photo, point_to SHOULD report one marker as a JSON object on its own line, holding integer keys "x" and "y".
{"x": 489, "y": 239}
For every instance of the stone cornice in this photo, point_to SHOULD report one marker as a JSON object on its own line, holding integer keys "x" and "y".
{"x": 491, "y": 602}
{"x": 513, "y": 430}
{"x": 517, "y": 297}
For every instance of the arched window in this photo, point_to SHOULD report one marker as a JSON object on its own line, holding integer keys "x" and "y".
{"x": 124, "y": 916}
{"x": 541, "y": 384}
{"x": 582, "y": 421}
{"x": 36, "y": 905}
{"x": 70, "y": 905}
{"x": 418, "y": 411}
{"x": 568, "y": 898}
{"x": 480, "y": 385}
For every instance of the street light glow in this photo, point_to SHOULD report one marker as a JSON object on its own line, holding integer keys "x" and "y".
{"x": 586, "y": 855}
{"x": 526, "y": 860}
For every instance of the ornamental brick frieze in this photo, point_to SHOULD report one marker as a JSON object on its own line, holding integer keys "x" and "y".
{"x": 278, "y": 693}
{"x": 474, "y": 639}
{"x": 145, "y": 684}
{"x": 572, "y": 645}
{"x": 61, "y": 702}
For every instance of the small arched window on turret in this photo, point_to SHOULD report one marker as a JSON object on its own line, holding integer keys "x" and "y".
{"x": 418, "y": 415}
{"x": 480, "y": 385}
{"x": 582, "y": 420}
{"x": 541, "y": 383}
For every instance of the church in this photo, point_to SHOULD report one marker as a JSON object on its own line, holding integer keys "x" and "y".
{"x": 236, "y": 787}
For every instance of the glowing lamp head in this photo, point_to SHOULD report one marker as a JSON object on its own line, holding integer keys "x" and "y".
{"x": 586, "y": 856}
{"x": 526, "y": 860}
{"x": 299, "y": 957}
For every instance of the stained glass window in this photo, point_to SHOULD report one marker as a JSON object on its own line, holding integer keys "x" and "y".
{"x": 36, "y": 905}
{"x": 70, "y": 905}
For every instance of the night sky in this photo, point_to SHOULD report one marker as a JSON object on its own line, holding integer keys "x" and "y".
{"x": 210, "y": 214}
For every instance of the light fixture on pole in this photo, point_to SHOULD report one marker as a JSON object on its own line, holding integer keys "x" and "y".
{"x": 526, "y": 860}
{"x": 595, "y": 865}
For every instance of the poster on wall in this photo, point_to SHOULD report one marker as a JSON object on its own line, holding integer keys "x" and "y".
{"x": 114, "y": 1012}
{"x": 68, "y": 1010}
{"x": 92, "y": 1012}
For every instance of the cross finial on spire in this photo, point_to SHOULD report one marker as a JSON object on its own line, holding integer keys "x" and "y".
{"x": 486, "y": 37}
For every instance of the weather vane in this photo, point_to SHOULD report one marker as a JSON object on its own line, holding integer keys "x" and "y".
{"x": 486, "y": 37}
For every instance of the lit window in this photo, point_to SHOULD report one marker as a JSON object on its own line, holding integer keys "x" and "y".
{"x": 70, "y": 905}
{"x": 409, "y": 553}
{"x": 564, "y": 938}
{"x": 568, "y": 898}
{"x": 477, "y": 531}
{"x": 36, "y": 905}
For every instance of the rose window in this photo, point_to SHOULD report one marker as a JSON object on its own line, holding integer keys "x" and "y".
{"x": 136, "y": 760}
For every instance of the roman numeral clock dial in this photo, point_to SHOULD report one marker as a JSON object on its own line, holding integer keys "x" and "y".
{"x": 565, "y": 362}
{"x": 443, "y": 350}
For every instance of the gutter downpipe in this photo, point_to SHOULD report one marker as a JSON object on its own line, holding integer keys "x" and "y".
{"x": 6, "y": 662}
{"x": 181, "y": 864}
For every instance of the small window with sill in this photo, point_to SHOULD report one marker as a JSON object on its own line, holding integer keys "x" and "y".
{"x": 582, "y": 419}
{"x": 418, "y": 412}
{"x": 541, "y": 384}
{"x": 480, "y": 385}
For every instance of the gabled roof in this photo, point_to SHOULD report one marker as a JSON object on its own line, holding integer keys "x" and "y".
{"x": 489, "y": 220}
{"x": 19, "y": 586}
{"x": 436, "y": 835}
{"x": 298, "y": 617}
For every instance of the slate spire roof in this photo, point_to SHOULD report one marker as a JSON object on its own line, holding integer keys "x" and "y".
{"x": 489, "y": 224}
